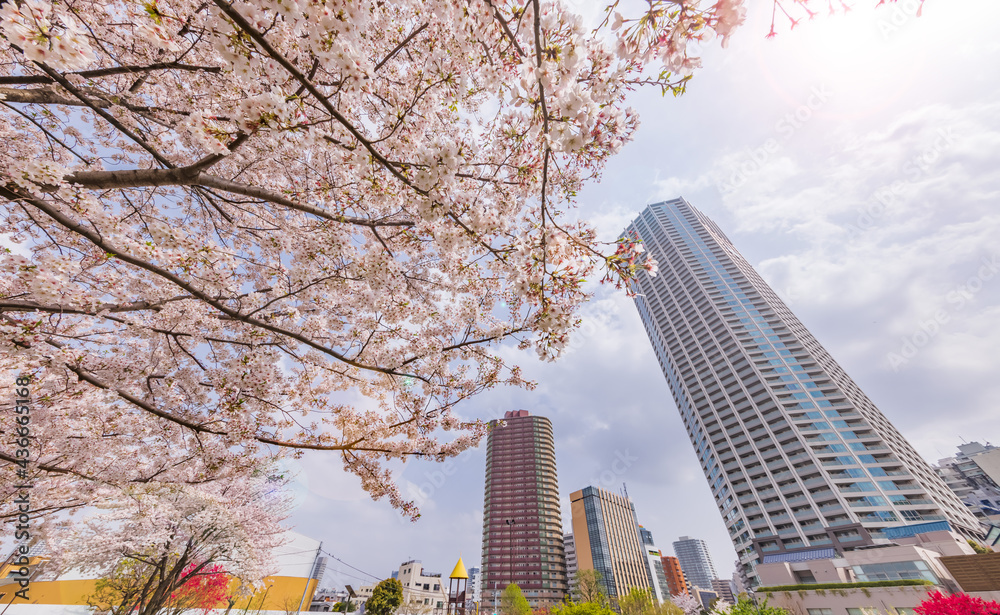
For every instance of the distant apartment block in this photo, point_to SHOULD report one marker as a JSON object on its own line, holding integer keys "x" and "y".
{"x": 695, "y": 561}
{"x": 796, "y": 455}
{"x": 974, "y": 475}
{"x": 725, "y": 589}
{"x": 475, "y": 587}
{"x": 569, "y": 545}
{"x": 522, "y": 524}
{"x": 607, "y": 540}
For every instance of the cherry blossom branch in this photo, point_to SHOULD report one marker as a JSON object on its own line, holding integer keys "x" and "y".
{"x": 506, "y": 29}
{"x": 96, "y": 239}
{"x": 107, "y": 72}
{"x": 191, "y": 176}
{"x": 405, "y": 42}
{"x": 104, "y": 114}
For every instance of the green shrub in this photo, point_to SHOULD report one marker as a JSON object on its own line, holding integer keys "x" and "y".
{"x": 821, "y": 586}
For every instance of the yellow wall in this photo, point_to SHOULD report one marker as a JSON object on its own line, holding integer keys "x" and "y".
{"x": 278, "y": 593}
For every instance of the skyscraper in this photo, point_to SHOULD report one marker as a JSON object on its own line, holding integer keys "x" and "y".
{"x": 797, "y": 457}
{"x": 607, "y": 540}
{"x": 695, "y": 561}
{"x": 522, "y": 526}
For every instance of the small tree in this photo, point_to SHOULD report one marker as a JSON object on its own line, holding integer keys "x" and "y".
{"x": 745, "y": 606}
{"x": 513, "y": 602}
{"x": 160, "y": 587}
{"x": 588, "y": 587}
{"x": 637, "y": 602}
{"x": 582, "y": 608}
{"x": 957, "y": 604}
{"x": 667, "y": 608}
{"x": 386, "y": 598}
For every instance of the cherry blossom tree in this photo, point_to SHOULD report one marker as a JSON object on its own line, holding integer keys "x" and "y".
{"x": 687, "y": 603}
{"x": 177, "y": 549}
{"x": 241, "y": 228}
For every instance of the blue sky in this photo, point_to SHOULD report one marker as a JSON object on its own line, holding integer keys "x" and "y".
{"x": 854, "y": 162}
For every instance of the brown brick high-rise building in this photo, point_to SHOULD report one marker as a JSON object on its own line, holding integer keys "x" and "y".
{"x": 676, "y": 584}
{"x": 522, "y": 524}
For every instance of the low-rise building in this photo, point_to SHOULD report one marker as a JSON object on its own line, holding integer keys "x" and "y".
{"x": 725, "y": 589}
{"x": 705, "y": 597}
{"x": 423, "y": 592}
{"x": 888, "y": 578}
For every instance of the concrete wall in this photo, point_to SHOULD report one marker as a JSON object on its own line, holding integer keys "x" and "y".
{"x": 883, "y": 599}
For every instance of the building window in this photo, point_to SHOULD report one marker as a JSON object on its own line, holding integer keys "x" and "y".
{"x": 820, "y": 611}
{"x": 894, "y": 571}
{"x": 866, "y": 610}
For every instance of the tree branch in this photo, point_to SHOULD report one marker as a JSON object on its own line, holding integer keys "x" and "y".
{"x": 190, "y": 176}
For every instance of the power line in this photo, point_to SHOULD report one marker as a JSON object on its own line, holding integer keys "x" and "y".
{"x": 352, "y": 567}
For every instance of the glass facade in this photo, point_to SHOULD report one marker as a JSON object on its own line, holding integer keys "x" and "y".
{"x": 607, "y": 540}
{"x": 796, "y": 455}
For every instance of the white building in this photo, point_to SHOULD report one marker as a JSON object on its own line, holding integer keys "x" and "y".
{"x": 474, "y": 592}
{"x": 654, "y": 562}
{"x": 569, "y": 544}
{"x": 423, "y": 592}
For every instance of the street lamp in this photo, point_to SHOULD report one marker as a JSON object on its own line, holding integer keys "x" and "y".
{"x": 510, "y": 542}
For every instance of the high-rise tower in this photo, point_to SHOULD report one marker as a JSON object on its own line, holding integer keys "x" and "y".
{"x": 797, "y": 457}
{"x": 522, "y": 524}
{"x": 695, "y": 561}
{"x": 607, "y": 540}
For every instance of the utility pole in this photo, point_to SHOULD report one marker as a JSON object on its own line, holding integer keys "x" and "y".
{"x": 312, "y": 570}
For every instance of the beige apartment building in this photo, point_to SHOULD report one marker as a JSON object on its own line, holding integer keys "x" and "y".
{"x": 607, "y": 540}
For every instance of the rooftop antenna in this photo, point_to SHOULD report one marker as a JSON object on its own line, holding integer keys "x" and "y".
{"x": 625, "y": 490}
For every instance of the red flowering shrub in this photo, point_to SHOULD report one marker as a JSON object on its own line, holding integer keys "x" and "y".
{"x": 957, "y": 604}
{"x": 204, "y": 590}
